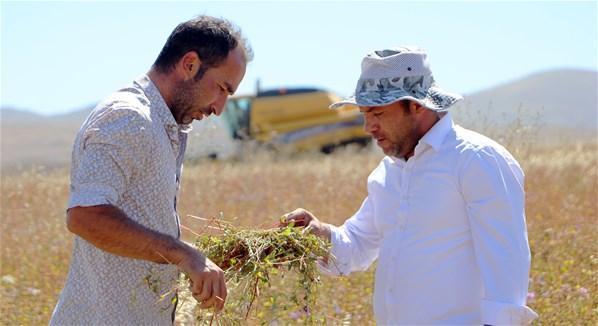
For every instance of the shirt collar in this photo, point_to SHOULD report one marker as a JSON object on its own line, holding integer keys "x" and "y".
{"x": 159, "y": 105}
{"x": 436, "y": 135}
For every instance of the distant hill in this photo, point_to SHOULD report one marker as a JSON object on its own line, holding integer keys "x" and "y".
{"x": 34, "y": 139}
{"x": 560, "y": 101}
{"x": 12, "y": 115}
{"x": 28, "y": 138}
{"x": 77, "y": 116}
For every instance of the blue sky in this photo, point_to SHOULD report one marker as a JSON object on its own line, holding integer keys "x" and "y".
{"x": 60, "y": 56}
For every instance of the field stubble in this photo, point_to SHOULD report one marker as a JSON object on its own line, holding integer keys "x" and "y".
{"x": 562, "y": 190}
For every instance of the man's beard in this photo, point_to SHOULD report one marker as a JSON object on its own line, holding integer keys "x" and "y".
{"x": 394, "y": 150}
{"x": 186, "y": 94}
{"x": 406, "y": 140}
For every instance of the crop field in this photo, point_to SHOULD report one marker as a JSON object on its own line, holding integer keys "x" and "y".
{"x": 562, "y": 214}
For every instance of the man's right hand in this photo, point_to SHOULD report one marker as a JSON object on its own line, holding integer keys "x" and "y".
{"x": 207, "y": 279}
{"x": 112, "y": 231}
{"x": 304, "y": 218}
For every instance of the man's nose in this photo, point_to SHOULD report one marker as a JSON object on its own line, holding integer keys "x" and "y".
{"x": 219, "y": 105}
{"x": 368, "y": 125}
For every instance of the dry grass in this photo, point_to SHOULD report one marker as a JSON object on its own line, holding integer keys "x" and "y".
{"x": 562, "y": 193}
{"x": 252, "y": 259}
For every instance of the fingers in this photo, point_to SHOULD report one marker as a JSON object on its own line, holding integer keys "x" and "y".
{"x": 207, "y": 303}
{"x": 206, "y": 291}
{"x": 296, "y": 220}
{"x": 215, "y": 299}
{"x": 209, "y": 289}
{"x": 213, "y": 294}
{"x": 298, "y": 217}
{"x": 217, "y": 295}
{"x": 223, "y": 293}
{"x": 195, "y": 288}
{"x": 284, "y": 220}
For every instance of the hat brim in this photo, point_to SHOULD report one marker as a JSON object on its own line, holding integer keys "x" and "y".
{"x": 343, "y": 102}
{"x": 435, "y": 99}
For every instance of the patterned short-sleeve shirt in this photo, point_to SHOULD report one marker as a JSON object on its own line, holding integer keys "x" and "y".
{"x": 129, "y": 154}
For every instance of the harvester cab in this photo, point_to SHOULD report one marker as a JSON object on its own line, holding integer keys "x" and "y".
{"x": 297, "y": 117}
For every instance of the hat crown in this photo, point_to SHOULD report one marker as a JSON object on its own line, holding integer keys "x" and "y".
{"x": 392, "y": 63}
{"x": 394, "y": 74}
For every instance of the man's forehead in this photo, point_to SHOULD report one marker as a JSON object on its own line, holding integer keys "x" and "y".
{"x": 366, "y": 109}
{"x": 233, "y": 72}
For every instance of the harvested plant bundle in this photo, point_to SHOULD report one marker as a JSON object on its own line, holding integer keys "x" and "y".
{"x": 249, "y": 258}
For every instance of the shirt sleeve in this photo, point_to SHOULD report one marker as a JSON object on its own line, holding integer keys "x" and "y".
{"x": 492, "y": 184}
{"x": 354, "y": 244}
{"x": 109, "y": 150}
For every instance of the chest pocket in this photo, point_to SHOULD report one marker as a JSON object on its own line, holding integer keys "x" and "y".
{"x": 435, "y": 201}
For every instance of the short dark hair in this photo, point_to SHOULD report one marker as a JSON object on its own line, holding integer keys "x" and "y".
{"x": 210, "y": 37}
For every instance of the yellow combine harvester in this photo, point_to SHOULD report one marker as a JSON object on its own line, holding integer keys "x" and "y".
{"x": 296, "y": 117}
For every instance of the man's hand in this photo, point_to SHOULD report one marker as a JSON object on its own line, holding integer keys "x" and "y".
{"x": 109, "y": 229}
{"x": 303, "y": 218}
{"x": 207, "y": 279}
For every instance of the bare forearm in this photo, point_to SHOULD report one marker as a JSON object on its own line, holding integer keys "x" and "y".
{"x": 109, "y": 229}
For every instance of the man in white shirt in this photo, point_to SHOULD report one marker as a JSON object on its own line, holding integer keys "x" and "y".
{"x": 445, "y": 211}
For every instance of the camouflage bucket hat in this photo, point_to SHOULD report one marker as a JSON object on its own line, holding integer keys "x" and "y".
{"x": 391, "y": 75}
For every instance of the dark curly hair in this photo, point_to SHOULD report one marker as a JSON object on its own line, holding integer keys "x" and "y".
{"x": 211, "y": 38}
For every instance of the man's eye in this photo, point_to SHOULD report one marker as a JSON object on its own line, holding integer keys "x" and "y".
{"x": 377, "y": 114}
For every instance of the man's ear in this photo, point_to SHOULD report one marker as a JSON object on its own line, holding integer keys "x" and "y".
{"x": 188, "y": 65}
{"x": 415, "y": 108}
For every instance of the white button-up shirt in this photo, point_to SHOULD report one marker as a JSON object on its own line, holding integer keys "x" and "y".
{"x": 447, "y": 227}
{"x": 129, "y": 154}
